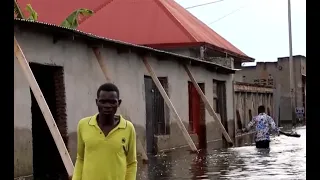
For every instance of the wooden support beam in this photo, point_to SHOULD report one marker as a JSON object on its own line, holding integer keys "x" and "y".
{"x": 170, "y": 105}
{"x": 44, "y": 108}
{"x": 97, "y": 53}
{"x": 207, "y": 104}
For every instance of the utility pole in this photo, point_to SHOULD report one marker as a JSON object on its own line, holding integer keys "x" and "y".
{"x": 292, "y": 84}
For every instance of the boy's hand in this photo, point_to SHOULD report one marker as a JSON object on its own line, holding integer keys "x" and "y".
{"x": 242, "y": 130}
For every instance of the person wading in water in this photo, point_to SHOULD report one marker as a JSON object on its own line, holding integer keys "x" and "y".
{"x": 106, "y": 141}
{"x": 262, "y": 123}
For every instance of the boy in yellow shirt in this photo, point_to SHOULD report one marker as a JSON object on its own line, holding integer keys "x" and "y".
{"x": 106, "y": 141}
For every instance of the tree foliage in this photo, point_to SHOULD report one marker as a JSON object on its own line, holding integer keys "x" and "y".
{"x": 72, "y": 21}
{"x": 33, "y": 14}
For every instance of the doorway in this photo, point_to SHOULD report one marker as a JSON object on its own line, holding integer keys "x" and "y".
{"x": 197, "y": 122}
{"x": 220, "y": 90}
{"x": 157, "y": 113}
{"x": 47, "y": 162}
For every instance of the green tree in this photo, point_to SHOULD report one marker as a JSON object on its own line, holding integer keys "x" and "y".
{"x": 72, "y": 21}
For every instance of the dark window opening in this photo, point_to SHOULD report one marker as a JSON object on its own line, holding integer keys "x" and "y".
{"x": 250, "y": 115}
{"x": 239, "y": 123}
{"x": 47, "y": 163}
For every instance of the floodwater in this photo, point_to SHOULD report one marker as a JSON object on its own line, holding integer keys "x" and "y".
{"x": 286, "y": 159}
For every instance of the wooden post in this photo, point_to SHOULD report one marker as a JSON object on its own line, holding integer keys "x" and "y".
{"x": 170, "y": 105}
{"x": 97, "y": 53}
{"x": 207, "y": 104}
{"x": 44, "y": 108}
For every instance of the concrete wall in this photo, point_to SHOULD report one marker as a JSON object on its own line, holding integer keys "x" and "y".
{"x": 195, "y": 52}
{"x": 246, "y": 101}
{"x": 260, "y": 71}
{"x": 248, "y": 98}
{"x": 279, "y": 72}
{"x": 238, "y": 76}
{"x": 82, "y": 78}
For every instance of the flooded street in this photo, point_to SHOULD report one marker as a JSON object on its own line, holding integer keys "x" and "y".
{"x": 285, "y": 160}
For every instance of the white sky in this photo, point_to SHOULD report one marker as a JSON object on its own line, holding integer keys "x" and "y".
{"x": 259, "y": 28}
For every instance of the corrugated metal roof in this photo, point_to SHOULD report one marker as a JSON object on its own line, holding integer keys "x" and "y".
{"x": 36, "y": 26}
{"x": 154, "y": 23}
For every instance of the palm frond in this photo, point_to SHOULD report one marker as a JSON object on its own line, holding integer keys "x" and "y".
{"x": 72, "y": 20}
{"x": 33, "y": 14}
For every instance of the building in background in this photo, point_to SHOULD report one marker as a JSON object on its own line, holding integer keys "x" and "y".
{"x": 276, "y": 74}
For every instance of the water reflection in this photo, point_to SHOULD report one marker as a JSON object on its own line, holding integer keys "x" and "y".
{"x": 286, "y": 159}
{"x": 160, "y": 167}
{"x": 199, "y": 167}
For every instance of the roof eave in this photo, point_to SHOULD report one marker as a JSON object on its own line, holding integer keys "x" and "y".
{"x": 242, "y": 58}
{"x": 140, "y": 49}
{"x": 190, "y": 44}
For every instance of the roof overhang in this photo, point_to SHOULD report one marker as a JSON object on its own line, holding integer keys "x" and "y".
{"x": 236, "y": 56}
{"x": 93, "y": 40}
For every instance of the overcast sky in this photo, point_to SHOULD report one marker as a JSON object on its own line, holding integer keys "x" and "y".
{"x": 259, "y": 28}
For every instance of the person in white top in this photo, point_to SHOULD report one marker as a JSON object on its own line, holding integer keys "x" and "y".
{"x": 263, "y": 123}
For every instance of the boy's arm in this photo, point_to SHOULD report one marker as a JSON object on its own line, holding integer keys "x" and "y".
{"x": 250, "y": 125}
{"x": 273, "y": 125}
{"x": 77, "y": 175}
{"x": 132, "y": 156}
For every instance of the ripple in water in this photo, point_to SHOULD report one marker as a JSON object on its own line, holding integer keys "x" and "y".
{"x": 286, "y": 159}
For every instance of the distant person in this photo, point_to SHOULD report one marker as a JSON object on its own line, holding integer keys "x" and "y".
{"x": 106, "y": 141}
{"x": 262, "y": 123}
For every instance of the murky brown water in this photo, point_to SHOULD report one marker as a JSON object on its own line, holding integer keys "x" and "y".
{"x": 285, "y": 160}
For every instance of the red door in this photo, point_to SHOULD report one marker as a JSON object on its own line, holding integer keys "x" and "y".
{"x": 194, "y": 109}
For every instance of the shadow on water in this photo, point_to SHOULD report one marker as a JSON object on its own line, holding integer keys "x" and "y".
{"x": 284, "y": 160}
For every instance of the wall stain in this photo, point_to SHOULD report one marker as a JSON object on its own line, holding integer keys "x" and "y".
{"x": 22, "y": 152}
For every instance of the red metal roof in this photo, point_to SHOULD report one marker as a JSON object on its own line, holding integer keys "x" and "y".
{"x": 154, "y": 23}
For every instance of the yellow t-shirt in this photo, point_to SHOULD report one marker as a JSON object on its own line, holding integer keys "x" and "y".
{"x": 100, "y": 157}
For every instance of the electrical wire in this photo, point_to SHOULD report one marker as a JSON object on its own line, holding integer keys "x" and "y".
{"x": 199, "y": 5}
{"x": 234, "y": 11}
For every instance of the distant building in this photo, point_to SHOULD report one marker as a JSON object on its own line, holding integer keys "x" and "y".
{"x": 276, "y": 74}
